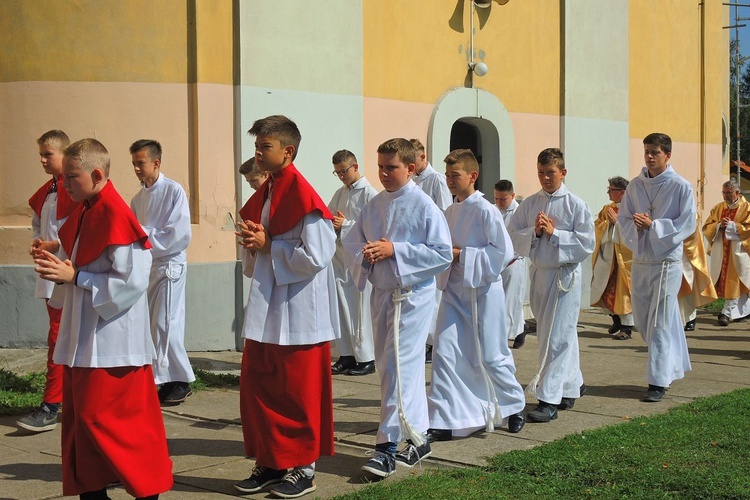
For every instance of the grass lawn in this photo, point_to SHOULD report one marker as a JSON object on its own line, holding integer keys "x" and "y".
{"x": 698, "y": 450}
{"x": 20, "y": 394}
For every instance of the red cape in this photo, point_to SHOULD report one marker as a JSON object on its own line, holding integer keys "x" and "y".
{"x": 104, "y": 220}
{"x": 290, "y": 191}
{"x": 65, "y": 205}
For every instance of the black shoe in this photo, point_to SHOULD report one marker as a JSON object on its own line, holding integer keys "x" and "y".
{"x": 259, "y": 479}
{"x": 544, "y": 412}
{"x": 616, "y": 325}
{"x": 381, "y": 464}
{"x": 439, "y": 435}
{"x": 343, "y": 364}
{"x": 654, "y": 394}
{"x": 723, "y": 320}
{"x": 516, "y": 422}
{"x": 568, "y": 403}
{"x": 690, "y": 326}
{"x": 411, "y": 454}
{"x": 295, "y": 484}
{"x": 428, "y": 354}
{"x": 625, "y": 333}
{"x": 164, "y": 390}
{"x": 179, "y": 393}
{"x": 365, "y": 368}
{"x": 520, "y": 340}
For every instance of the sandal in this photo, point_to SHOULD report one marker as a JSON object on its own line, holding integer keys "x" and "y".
{"x": 622, "y": 335}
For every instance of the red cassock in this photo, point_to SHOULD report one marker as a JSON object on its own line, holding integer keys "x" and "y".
{"x": 112, "y": 427}
{"x": 286, "y": 401}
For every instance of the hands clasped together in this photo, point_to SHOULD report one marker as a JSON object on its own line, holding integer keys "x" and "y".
{"x": 253, "y": 236}
{"x": 375, "y": 251}
{"x": 543, "y": 224}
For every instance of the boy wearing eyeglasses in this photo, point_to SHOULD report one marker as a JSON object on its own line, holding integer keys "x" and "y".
{"x": 611, "y": 261}
{"x": 356, "y": 350}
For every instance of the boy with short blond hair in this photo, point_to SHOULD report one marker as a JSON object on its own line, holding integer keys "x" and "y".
{"x": 555, "y": 229}
{"x": 112, "y": 424}
{"x": 288, "y": 242}
{"x": 52, "y": 206}
{"x": 161, "y": 207}
{"x": 473, "y": 374}
{"x": 400, "y": 242}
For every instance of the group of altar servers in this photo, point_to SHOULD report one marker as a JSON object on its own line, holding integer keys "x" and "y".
{"x": 366, "y": 276}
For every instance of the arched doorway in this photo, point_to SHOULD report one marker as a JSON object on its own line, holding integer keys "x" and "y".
{"x": 476, "y": 120}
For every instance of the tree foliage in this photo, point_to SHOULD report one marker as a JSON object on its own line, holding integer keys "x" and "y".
{"x": 743, "y": 71}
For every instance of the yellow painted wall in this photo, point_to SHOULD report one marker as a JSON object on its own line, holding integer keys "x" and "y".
{"x": 113, "y": 40}
{"x": 214, "y": 41}
{"x": 415, "y": 51}
{"x": 93, "y": 40}
{"x": 665, "y": 69}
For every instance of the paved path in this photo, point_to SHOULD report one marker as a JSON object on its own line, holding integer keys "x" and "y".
{"x": 205, "y": 438}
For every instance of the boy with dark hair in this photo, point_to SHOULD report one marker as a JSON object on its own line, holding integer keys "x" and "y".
{"x": 288, "y": 239}
{"x": 516, "y": 274}
{"x": 112, "y": 424}
{"x": 656, "y": 216}
{"x": 554, "y": 228}
{"x": 162, "y": 209}
{"x": 254, "y": 176}
{"x": 400, "y": 242}
{"x": 52, "y": 206}
{"x": 473, "y": 374}
{"x": 355, "y": 346}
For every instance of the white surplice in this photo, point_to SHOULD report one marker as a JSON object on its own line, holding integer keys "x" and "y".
{"x": 555, "y": 284}
{"x": 45, "y": 227}
{"x": 471, "y": 375}
{"x": 657, "y": 267}
{"x": 163, "y": 211}
{"x": 105, "y": 320}
{"x": 422, "y": 249}
{"x": 354, "y": 306}
{"x": 292, "y": 299}
{"x": 515, "y": 281}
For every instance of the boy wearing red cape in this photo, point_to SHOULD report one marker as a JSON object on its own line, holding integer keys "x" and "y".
{"x": 51, "y": 205}
{"x": 112, "y": 424}
{"x": 288, "y": 242}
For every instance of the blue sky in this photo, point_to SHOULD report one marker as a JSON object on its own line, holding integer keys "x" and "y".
{"x": 744, "y": 32}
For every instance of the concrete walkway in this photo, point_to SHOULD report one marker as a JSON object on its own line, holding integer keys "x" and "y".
{"x": 205, "y": 437}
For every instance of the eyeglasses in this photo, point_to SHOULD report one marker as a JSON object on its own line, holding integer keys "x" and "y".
{"x": 609, "y": 190}
{"x": 341, "y": 173}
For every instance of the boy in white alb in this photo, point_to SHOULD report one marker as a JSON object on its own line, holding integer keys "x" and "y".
{"x": 356, "y": 350}
{"x": 555, "y": 229}
{"x": 656, "y": 216}
{"x": 400, "y": 242}
{"x": 516, "y": 274}
{"x": 473, "y": 374}
{"x": 162, "y": 209}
